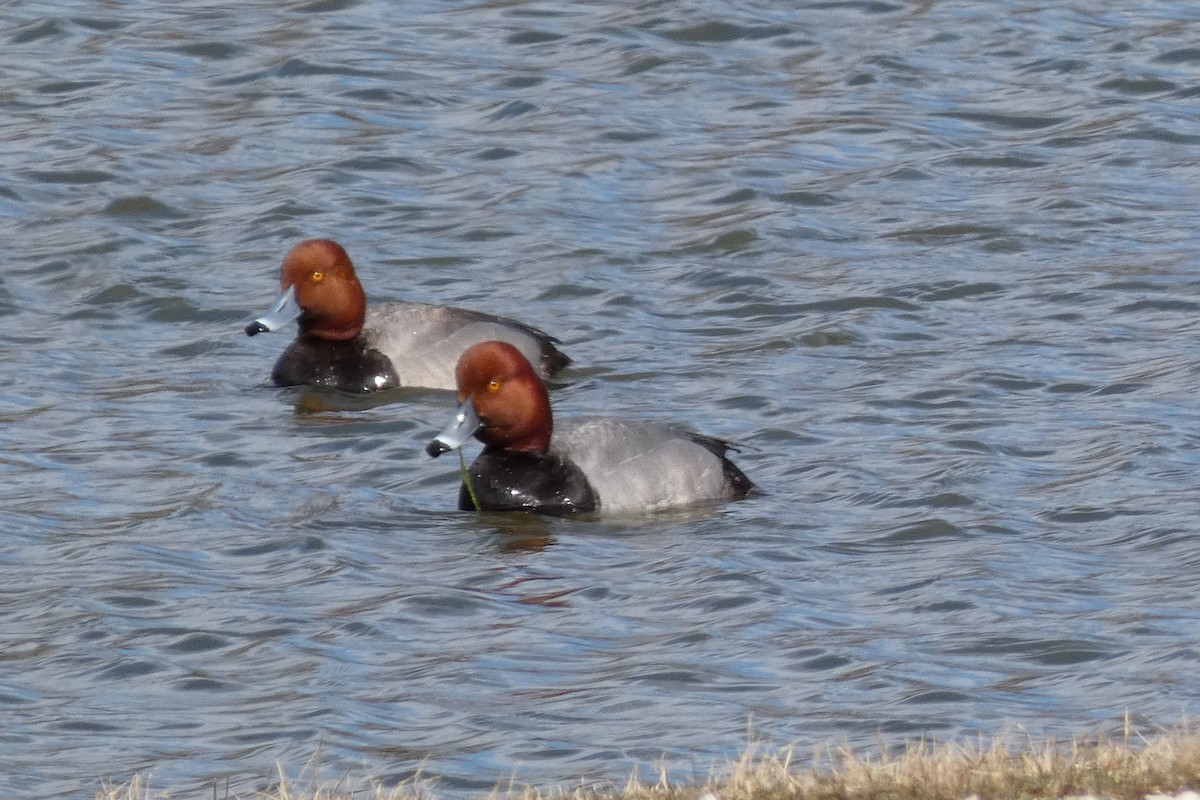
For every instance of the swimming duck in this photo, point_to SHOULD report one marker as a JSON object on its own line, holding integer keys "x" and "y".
{"x": 530, "y": 462}
{"x": 343, "y": 344}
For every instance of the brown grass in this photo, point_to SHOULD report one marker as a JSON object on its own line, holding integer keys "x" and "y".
{"x": 1124, "y": 769}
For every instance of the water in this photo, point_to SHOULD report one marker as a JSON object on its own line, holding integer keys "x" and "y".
{"x": 933, "y": 263}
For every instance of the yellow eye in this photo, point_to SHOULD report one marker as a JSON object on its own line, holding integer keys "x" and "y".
{"x": 318, "y": 276}
{"x": 493, "y": 386}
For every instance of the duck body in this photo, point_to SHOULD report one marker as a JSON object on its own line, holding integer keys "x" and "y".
{"x": 424, "y": 341}
{"x": 607, "y": 464}
{"x": 344, "y": 344}
{"x": 407, "y": 344}
{"x": 503, "y": 480}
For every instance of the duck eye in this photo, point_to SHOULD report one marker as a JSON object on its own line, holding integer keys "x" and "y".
{"x": 493, "y": 386}
{"x": 318, "y": 276}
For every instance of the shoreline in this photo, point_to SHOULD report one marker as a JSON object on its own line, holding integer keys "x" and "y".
{"x": 1158, "y": 767}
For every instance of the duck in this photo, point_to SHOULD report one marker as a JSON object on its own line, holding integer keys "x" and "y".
{"x": 531, "y": 462}
{"x": 342, "y": 344}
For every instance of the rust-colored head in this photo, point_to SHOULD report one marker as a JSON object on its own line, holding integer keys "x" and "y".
{"x": 327, "y": 290}
{"x": 508, "y": 396}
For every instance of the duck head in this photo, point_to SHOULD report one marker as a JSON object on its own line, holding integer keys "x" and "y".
{"x": 318, "y": 285}
{"x": 501, "y": 401}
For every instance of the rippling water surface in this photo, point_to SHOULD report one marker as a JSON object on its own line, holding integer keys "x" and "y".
{"x": 933, "y": 263}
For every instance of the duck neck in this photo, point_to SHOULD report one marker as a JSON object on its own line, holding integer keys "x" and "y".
{"x": 317, "y": 329}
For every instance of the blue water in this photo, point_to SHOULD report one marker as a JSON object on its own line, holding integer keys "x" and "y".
{"x": 934, "y": 264}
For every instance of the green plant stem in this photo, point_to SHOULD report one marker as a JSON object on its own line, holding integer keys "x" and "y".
{"x": 466, "y": 479}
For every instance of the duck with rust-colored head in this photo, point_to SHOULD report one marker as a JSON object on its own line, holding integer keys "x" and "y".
{"x": 530, "y": 462}
{"x": 343, "y": 344}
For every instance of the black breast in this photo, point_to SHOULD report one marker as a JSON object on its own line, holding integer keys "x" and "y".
{"x": 348, "y": 366}
{"x": 545, "y": 484}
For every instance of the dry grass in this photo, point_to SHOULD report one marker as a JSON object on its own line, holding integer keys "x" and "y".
{"x": 1124, "y": 769}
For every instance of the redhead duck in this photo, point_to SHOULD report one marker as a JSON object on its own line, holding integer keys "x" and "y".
{"x": 532, "y": 463}
{"x": 344, "y": 345}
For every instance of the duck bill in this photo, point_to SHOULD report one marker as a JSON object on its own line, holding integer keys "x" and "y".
{"x": 465, "y": 423}
{"x": 283, "y": 310}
